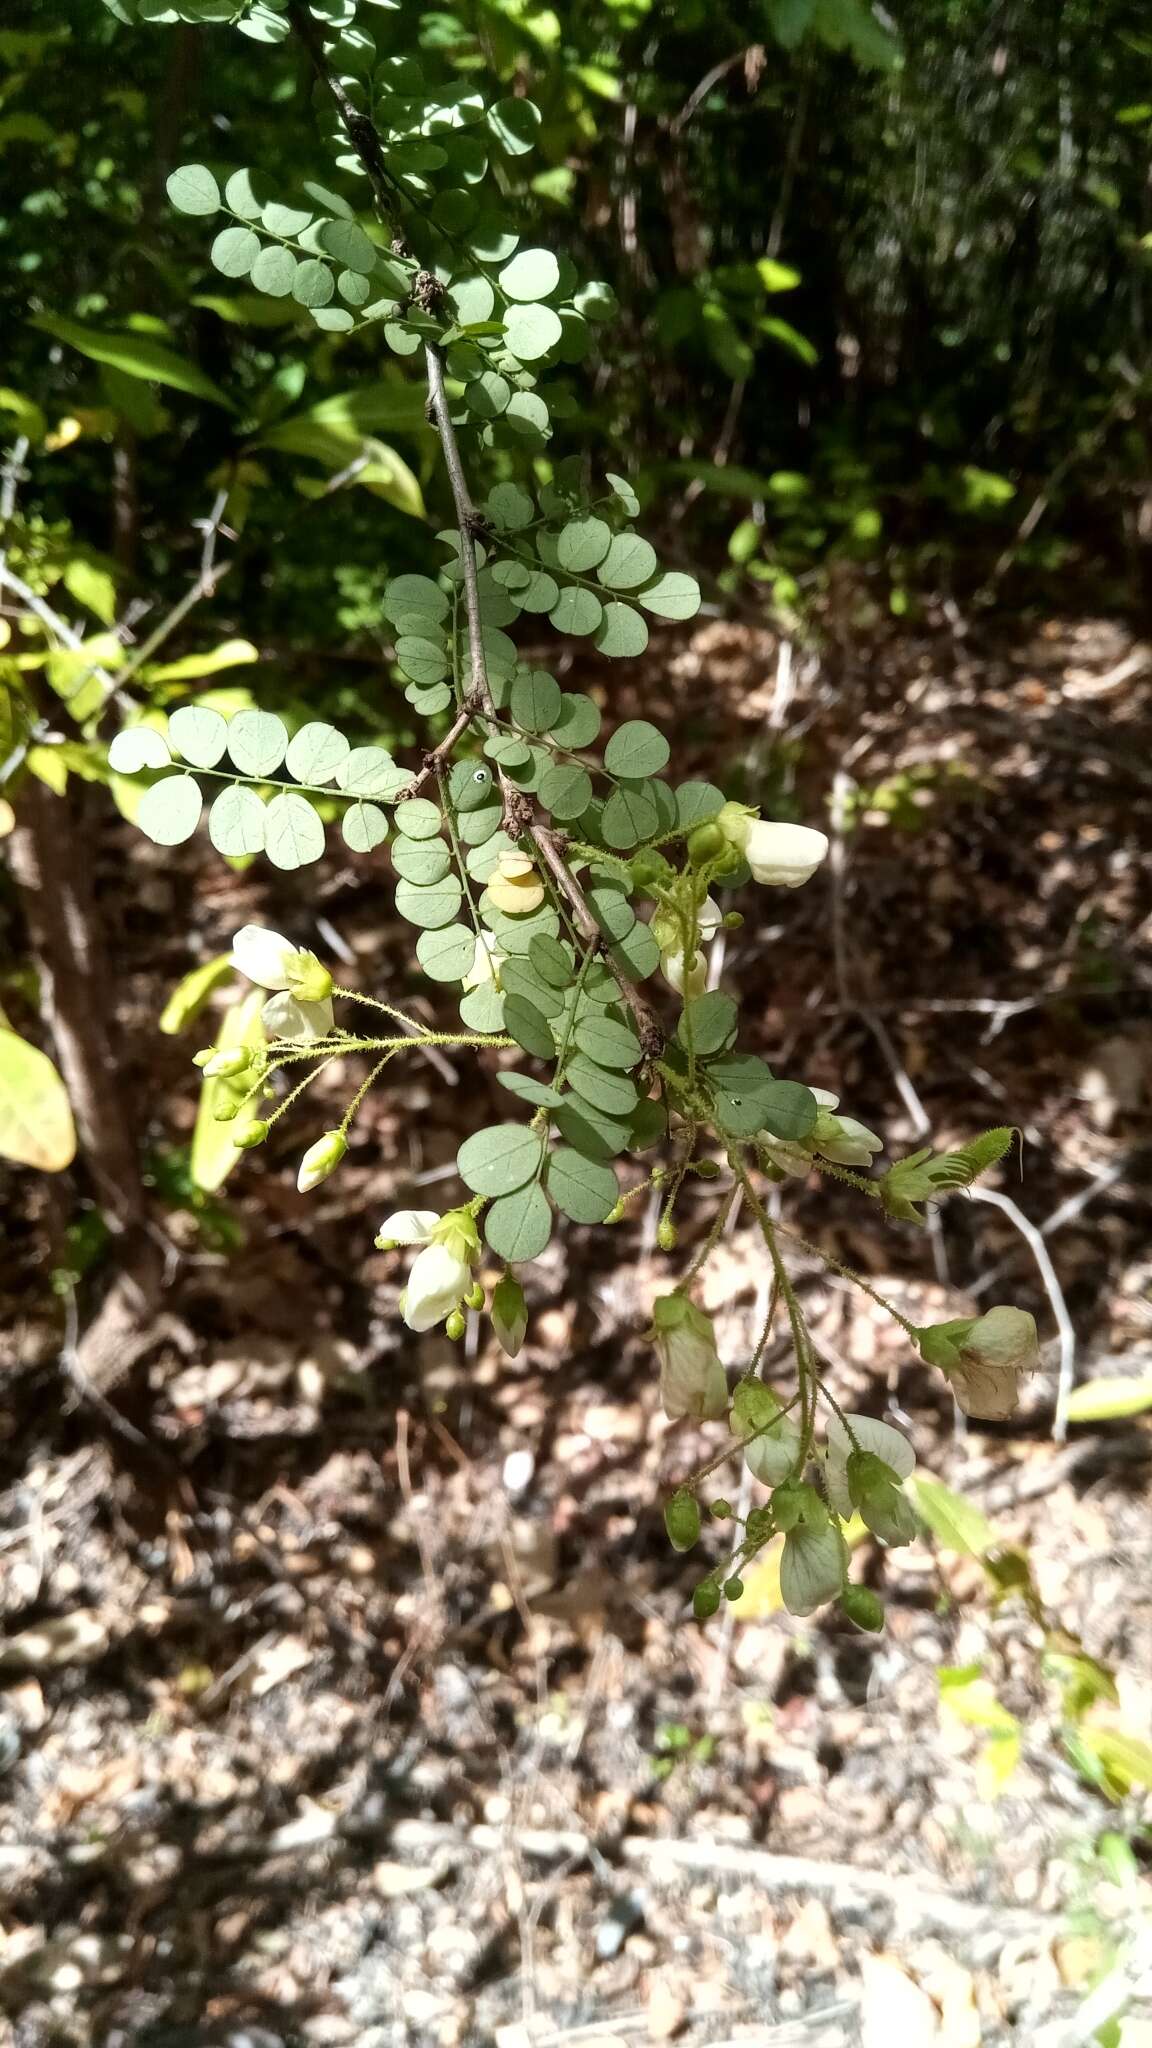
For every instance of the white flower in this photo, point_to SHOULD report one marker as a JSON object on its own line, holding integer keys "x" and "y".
{"x": 286, "y": 1016}
{"x": 844, "y": 1141}
{"x": 879, "y": 1438}
{"x": 441, "y": 1274}
{"x": 437, "y": 1284}
{"x": 487, "y": 960}
{"x": 265, "y": 957}
{"x": 692, "y": 1379}
{"x": 304, "y": 1011}
{"x": 783, "y": 856}
{"x": 780, "y": 855}
{"x": 320, "y": 1160}
{"x": 692, "y": 983}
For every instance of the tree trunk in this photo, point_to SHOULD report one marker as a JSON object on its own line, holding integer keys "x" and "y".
{"x": 52, "y": 870}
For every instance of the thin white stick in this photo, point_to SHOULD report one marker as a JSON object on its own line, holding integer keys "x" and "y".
{"x": 1055, "y": 1293}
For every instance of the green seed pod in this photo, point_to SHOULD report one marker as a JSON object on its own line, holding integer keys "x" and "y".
{"x": 649, "y": 868}
{"x": 706, "y": 1600}
{"x": 455, "y": 1325}
{"x": 666, "y": 1236}
{"x": 682, "y": 1521}
{"x": 721, "y": 1510}
{"x": 616, "y": 1213}
{"x": 475, "y": 1296}
{"x": 252, "y": 1134}
{"x": 225, "y": 1112}
{"x": 733, "y": 1588}
{"x": 707, "y": 1169}
{"x": 863, "y": 1607}
{"x": 704, "y": 843}
{"x": 761, "y": 1524}
{"x": 509, "y": 1314}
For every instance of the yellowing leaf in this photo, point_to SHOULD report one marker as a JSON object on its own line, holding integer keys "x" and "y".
{"x": 213, "y": 1153}
{"x": 997, "y": 1761}
{"x": 1109, "y": 1400}
{"x": 229, "y": 654}
{"x": 954, "y": 1521}
{"x": 967, "y": 1694}
{"x": 36, "y": 1127}
{"x": 1121, "y": 1762}
{"x": 92, "y": 587}
{"x": 190, "y": 995}
{"x": 49, "y": 766}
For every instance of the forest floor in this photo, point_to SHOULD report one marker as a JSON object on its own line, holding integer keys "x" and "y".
{"x": 363, "y": 1709}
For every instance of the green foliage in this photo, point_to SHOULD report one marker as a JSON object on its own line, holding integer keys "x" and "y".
{"x": 420, "y": 285}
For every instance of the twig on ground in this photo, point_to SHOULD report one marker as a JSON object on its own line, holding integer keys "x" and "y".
{"x": 1066, "y": 1213}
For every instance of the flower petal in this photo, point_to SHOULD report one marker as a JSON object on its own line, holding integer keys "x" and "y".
{"x": 285, "y": 1016}
{"x": 783, "y": 856}
{"x": 437, "y": 1284}
{"x": 262, "y": 955}
{"x": 410, "y": 1226}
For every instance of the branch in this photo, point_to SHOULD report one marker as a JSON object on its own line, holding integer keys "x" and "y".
{"x": 435, "y": 759}
{"x": 518, "y": 819}
{"x": 358, "y": 127}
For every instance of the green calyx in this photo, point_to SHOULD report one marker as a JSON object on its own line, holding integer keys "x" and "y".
{"x": 308, "y": 979}
{"x": 879, "y": 1500}
{"x": 457, "y": 1229}
{"x": 705, "y": 842}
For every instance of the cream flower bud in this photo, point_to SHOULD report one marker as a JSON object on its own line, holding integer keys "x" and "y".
{"x": 320, "y": 1160}
{"x": 225, "y": 1065}
{"x": 514, "y": 885}
{"x": 692, "y": 1379}
{"x": 692, "y": 982}
{"x": 879, "y": 1438}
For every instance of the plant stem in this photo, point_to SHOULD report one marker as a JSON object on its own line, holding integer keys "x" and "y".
{"x": 710, "y": 1243}
{"x": 800, "y": 1339}
{"x": 847, "y": 1273}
